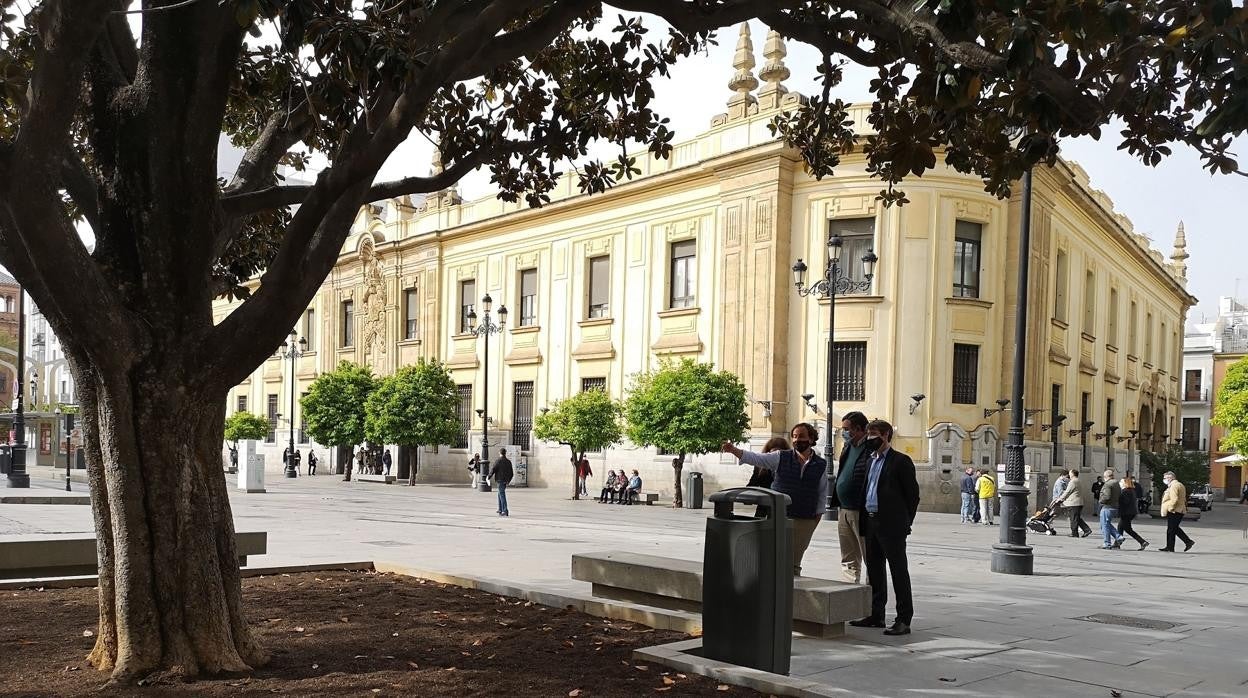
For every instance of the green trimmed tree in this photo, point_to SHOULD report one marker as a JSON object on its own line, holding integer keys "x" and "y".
{"x": 685, "y": 408}
{"x": 1190, "y": 467}
{"x": 245, "y": 426}
{"x": 586, "y": 422}
{"x": 1231, "y": 411}
{"x": 333, "y": 408}
{"x": 414, "y": 407}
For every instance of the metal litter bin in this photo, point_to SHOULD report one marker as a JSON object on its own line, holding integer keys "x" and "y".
{"x": 747, "y": 580}
{"x": 693, "y": 490}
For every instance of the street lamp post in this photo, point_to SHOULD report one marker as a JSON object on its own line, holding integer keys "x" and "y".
{"x": 1012, "y": 555}
{"x": 18, "y": 477}
{"x": 827, "y": 288}
{"x": 293, "y": 350}
{"x": 485, "y": 329}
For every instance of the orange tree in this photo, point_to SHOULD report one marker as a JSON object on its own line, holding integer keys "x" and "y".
{"x": 118, "y": 131}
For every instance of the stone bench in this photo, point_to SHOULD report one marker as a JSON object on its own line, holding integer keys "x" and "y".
{"x": 383, "y": 479}
{"x": 821, "y": 607}
{"x": 38, "y": 556}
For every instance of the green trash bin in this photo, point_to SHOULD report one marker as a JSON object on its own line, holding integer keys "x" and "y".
{"x": 747, "y": 580}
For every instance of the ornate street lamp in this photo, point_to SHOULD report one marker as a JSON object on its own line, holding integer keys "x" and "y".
{"x": 69, "y": 428}
{"x": 832, "y": 283}
{"x": 293, "y": 350}
{"x": 18, "y": 477}
{"x": 486, "y": 328}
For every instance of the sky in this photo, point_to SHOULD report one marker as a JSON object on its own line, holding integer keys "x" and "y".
{"x": 1155, "y": 199}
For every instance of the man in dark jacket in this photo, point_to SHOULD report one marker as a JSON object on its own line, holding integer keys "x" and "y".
{"x": 387, "y": 461}
{"x": 890, "y": 501}
{"x": 967, "y": 488}
{"x": 502, "y": 474}
{"x": 847, "y": 494}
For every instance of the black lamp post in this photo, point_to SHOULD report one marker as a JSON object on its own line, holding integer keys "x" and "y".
{"x": 18, "y": 477}
{"x": 293, "y": 350}
{"x": 69, "y": 428}
{"x": 827, "y": 288}
{"x": 1012, "y": 555}
{"x": 485, "y": 329}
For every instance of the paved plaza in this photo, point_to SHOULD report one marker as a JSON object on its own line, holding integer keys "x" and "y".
{"x": 976, "y": 633}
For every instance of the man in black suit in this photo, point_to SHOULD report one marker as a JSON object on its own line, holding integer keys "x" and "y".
{"x": 891, "y": 499}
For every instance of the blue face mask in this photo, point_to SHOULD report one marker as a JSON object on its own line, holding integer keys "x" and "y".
{"x": 845, "y": 435}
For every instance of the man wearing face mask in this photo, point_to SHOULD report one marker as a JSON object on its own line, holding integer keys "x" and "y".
{"x": 890, "y": 501}
{"x": 847, "y": 494}
{"x": 801, "y": 474}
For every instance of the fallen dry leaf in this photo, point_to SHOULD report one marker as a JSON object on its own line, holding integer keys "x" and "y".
{"x": 668, "y": 681}
{"x": 574, "y": 693}
{"x": 316, "y": 666}
{"x": 723, "y": 687}
{"x": 665, "y": 688}
{"x": 88, "y": 633}
{"x": 476, "y": 643}
{"x": 298, "y": 628}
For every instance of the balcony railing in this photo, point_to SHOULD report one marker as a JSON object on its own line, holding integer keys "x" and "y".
{"x": 1194, "y": 444}
{"x": 1196, "y": 396}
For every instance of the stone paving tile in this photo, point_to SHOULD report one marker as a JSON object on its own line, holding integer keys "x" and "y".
{"x": 1024, "y": 683}
{"x": 907, "y": 674}
{"x": 1149, "y": 679}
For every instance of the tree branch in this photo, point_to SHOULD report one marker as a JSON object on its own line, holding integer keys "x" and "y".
{"x": 82, "y": 187}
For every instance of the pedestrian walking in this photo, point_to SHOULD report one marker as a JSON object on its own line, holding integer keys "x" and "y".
{"x": 502, "y": 473}
{"x": 1059, "y": 485}
{"x": 311, "y": 462}
{"x": 1128, "y": 508}
{"x": 890, "y": 501}
{"x": 1243, "y": 494}
{"x": 801, "y": 474}
{"x": 1072, "y": 505}
{"x": 986, "y": 488}
{"x": 1173, "y": 507}
{"x": 296, "y": 459}
{"x": 969, "y": 495}
{"x": 1109, "y": 498}
{"x": 386, "y": 461}
{"x": 1096, "y": 495}
{"x": 583, "y": 473}
{"x": 847, "y": 495}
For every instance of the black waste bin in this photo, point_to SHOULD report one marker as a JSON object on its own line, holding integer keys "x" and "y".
{"x": 80, "y": 460}
{"x": 693, "y": 490}
{"x": 747, "y": 580}
{"x": 6, "y": 460}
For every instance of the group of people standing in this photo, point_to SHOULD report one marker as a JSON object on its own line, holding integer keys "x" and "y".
{"x": 297, "y": 459}
{"x": 978, "y": 486}
{"x": 876, "y": 493}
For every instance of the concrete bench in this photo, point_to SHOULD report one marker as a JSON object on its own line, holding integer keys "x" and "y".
{"x": 37, "y": 556}
{"x": 821, "y": 607}
{"x": 384, "y": 479}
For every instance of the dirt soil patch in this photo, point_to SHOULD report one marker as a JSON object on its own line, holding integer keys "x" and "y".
{"x": 364, "y": 633}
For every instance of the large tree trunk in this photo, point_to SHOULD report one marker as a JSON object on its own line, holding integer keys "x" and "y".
{"x": 576, "y": 473}
{"x": 678, "y": 466}
{"x": 169, "y": 585}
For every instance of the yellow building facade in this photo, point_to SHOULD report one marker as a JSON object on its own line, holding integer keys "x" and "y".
{"x": 693, "y": 259}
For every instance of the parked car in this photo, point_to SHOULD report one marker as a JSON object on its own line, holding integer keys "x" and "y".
{"x": 1201, "y": 497}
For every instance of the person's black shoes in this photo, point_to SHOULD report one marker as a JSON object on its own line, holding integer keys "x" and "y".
{"x": 898, "y": 628}
{"x": 1165, "y": 550}
{"x": 1087, "y": 533}
{"x": 1189, "y": 546}
{"x": 867, "y": 623}
{"x": 1143, "y": 545}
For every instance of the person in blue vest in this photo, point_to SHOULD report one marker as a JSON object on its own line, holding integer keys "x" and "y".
{"x": 891, "y": 499}
{"x": 800, "y": 473}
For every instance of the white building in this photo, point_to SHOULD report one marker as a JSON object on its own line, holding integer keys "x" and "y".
{"x": 1199, "y": 342}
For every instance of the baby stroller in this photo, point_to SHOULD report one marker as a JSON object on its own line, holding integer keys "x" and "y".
{"x": 1040, "y": 522}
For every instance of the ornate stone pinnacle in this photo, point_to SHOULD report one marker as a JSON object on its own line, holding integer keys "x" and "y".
{"x": 436, "y": 167}
{"x": 743, "y": 81}
{"x": 1179, "y": 255}
{"x": 774, "y": 71}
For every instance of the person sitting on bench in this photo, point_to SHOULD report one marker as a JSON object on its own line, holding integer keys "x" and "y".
{"x": 633, "y": 491}
{"x": 608, "y": 490}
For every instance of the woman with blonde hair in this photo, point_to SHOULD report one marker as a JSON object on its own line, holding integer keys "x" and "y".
{"x": 1127, "y": 509}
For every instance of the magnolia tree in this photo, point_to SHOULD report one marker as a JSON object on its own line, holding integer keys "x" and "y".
{"x": 333, "y": 407}
{"x": 111, "y": 111}
{"x": 413, "y": 407}
{"x": 1231, "y": 411}
{"x": 685, "y": 408}
{"x": 586, "y": 422}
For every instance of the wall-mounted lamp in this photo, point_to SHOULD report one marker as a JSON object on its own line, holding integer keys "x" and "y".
{"x": 1002, "y": 405}
{"x": 1087, "y": 426}
{"x": 917, "y": 398}
{"x": 1130, "y": 435}
{"x": 1057, "y": 423}
{"x": 809, "y": 399}
{"x": 767, "y": 405}
{"x": 1108, "y": 432}
{"x": 544, "y": 410}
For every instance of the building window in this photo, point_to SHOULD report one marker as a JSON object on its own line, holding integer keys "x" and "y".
{"x": 1165, "y": 350}
{"x": 242, "y": 403}
{"x": 467, "y": 304}
{"x": 1191, "y": 434}
{"x": 1060, "y": 283}
{"x": 271, "y": 437}
{"x": 410, "y": 306}
{"x": 1089, "y": 303}
{"x": 45, "y": 438}
{"x": 588, "y": 384}
{"x": 1112, "y": 332}
{"x": 1148, "y": 338}
{"x": 965, "y": 374}
{"x": 1191, "y": 385}
{"x": 528, "y": 298}
{"x": 849, "y": 371}
{"x": 1133, "y": 331}
{"x": 309, "y": 328}
{"x": 463, "y": 411}
{"x": 857, "y": 238}
{"x": 966, "y": 248}
{"x": 599, "y": 286}
{"x": 303, "y": 435}
{"x": 1055, "y": 409}
{"x": 1109, "y": 420}
{"x": 684, "y": 274}
{"x": 522, "y": 414}
{"x": 1085, "y": 415}
{"x": 348, "y": 325}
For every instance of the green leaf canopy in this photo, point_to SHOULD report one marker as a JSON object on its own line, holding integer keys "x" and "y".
{"x": 588, "y": 421}
{"x": 1231, "y": 411}
{"x": 245, "y": 426}
{"x": 413, "y": 407}
{"x": 686, "y": 407}
{"x": 333, "y": 408}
